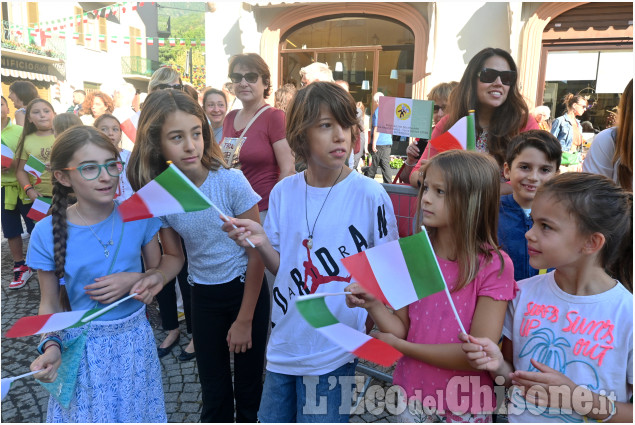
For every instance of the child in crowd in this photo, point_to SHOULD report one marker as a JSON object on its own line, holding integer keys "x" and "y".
{"x": 111, "y": 126}
{"x": 37, "y": 139}
{"x": 568, "y": 335}
{"x": 83, "y": 262}
{"x": 307, "y": 229}
{"x": 15, "y": 204}
{"x": 64, "y": 121}
{"x": 230, "y": 303}
{"x": 533, "y": 158}
{"x": 459, "y": 201}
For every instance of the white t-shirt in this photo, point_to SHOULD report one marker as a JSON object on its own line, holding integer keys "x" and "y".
{"x": 599, "y": 159}
{"x": 587, "y": 338}
{"x": 357, "y": 215}
{"x": 124, "y": 191}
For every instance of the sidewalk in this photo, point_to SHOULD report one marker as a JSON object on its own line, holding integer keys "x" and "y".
{"x": 27, "y": 401}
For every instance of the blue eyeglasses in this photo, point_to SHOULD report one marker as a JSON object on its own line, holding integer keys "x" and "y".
{"x": 91, "y": 170}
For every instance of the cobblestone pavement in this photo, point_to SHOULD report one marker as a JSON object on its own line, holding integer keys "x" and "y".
{"x": 27, "y": 400}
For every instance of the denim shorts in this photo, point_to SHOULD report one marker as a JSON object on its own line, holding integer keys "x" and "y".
{"x": 307, "y": 399}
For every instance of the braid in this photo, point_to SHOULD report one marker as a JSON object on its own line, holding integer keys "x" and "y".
{"x": 60, "y": 235}
{"x": 621, "y": 261}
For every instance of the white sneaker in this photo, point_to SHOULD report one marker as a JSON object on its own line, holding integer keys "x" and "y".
{"x": 21, "y": 276}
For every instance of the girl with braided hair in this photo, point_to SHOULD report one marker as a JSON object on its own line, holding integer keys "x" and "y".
{"x": 83, "y": 262}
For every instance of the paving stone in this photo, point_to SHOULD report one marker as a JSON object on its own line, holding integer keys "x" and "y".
{"x": 191, "y": 388}
{"x": 189, "y": 407}
{"x": 188, "y": 397}
{"x": 177, "y": 417}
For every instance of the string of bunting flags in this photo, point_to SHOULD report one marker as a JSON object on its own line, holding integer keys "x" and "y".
{"x": 70, "y": 26}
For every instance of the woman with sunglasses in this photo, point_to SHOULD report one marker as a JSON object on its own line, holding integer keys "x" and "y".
{"x": 265, "y": 156}
{"x": 567, "y": 128}
{"x": 488, "y": 87}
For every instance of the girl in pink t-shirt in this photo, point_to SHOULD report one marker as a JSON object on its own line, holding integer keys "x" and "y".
{"x": 459, "y": 207}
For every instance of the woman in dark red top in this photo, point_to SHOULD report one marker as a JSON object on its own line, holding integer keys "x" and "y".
{"x": 265, "y": 157}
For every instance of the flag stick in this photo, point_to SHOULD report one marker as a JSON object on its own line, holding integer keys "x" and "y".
{"x": 445, "y": 287}
{"x": 106, "y": 309}
{"x": 322, "y": 295}
{"x": 210, "y": 201}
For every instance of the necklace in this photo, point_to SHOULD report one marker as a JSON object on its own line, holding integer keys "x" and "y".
{"x": 309, "y": 243}
{"x": 104, "y": 245}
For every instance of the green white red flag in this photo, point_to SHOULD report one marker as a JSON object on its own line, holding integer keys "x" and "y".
{"x": 460, "y": 136}
{"x": 44, "y": 323}
{"x": 400, "y": 272}
{"x": 35, "y": 167}
{"x": 7, "y": 156}
{"x": 40, "y": 208}
{"x": 314, "y": 310}
{"x": 129, "y": 127}
{"x": 171, "y": 192}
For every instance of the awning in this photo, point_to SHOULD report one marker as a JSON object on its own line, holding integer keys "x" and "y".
{"x": 28, "y": 75}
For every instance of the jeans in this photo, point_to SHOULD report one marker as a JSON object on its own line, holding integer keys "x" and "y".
{"x": 380, "y": 158}
{"x": 214, "y": 309}
{"x": 307, "y": 399}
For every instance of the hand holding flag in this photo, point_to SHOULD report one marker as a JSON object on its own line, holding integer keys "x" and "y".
{"x": 400, "y": 272}
{"x": 314, "y": 310}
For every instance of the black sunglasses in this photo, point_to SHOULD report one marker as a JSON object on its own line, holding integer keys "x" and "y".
{"x": 169, "y": 86}
{"x": 250, "y": 77}
{"x": 489, "y": 75}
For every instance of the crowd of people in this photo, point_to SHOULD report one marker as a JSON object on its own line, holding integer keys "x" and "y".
{"x": 538, "y": 261}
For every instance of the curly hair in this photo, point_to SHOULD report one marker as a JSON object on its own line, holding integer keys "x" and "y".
{"x": 88, "y": 102}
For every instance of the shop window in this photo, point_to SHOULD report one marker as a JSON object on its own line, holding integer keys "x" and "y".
{"x": 79, "y": 25}
{"x": 370, "y": 53}
{"x": 135, "y": 49}
{"x": 599, "y": 76}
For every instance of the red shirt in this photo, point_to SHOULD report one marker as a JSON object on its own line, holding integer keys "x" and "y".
{"x": 257, "y": 159}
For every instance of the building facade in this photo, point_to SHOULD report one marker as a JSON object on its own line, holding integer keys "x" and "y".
{"x": 406, "y": 48}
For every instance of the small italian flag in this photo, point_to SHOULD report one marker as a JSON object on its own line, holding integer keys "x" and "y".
{"x": 150, "y": 41}
{"x": 113, "y": 39}
{"x": 460, "y": 136}
{"x": 399, "y": 272}
{"x": 192, "y": 43}
{"x": 62, "y": 35}
{"x": 171, "y": 192}
{"x": 126, "y": 39}
{"x": 182, "y": 42}
{"x": 139, "y": 41}
{"x": 35, "y": 167}
{"x": 7, "y": 156}
{"x": 161, "y": 41}
{"x": 39, "y": 209}
{"x": 102, "y": 38}
{"x": 75, "y": 36}
{"x": 129, "y": 127}
{"x": 314, "y": 310}
{"x": 202, "y": 42}
{"x": 88, "y": 37}
{"x": 172, "y": 42}
{"x": 33, "y": 325}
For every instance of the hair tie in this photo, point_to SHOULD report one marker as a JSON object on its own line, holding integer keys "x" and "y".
{"x": 62, "y": 281}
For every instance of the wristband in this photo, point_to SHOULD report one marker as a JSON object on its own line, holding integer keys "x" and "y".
{"x": 410, "y": 165}
{"x": 27, "y": 187}
{"x": 52, "y": 345}
{"x": 54, "y": 338}
{"x": 613, "y": 410}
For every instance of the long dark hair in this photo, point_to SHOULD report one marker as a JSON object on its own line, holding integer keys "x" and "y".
{"x": 146, "y": 160}
{"x": 599, "y": 205}
{"x": 29, "y": 126}
{"x": 507, "y": 120}
{"x": 65, "y": 146}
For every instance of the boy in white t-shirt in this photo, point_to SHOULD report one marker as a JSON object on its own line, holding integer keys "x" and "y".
{"x": 315, "y": 218}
